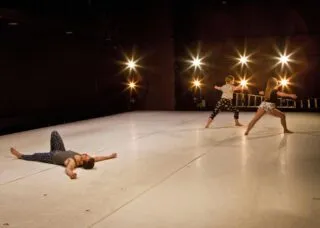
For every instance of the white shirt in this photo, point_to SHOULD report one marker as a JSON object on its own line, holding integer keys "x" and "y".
{"x": 227, "y": 91}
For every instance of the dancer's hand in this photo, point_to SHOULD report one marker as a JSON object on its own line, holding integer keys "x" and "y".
{"x": 73, "y": 175}
{"x": 114, "y": 155}
{"x": 294, "y": 96}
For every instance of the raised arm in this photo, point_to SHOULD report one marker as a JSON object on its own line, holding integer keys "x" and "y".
{"x": 70, "y": 166}
{"x": 282, "y": 94}
{"x": 102, "y": 158}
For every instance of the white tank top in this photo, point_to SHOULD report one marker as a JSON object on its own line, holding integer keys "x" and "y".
{"x": 227, "y": 91}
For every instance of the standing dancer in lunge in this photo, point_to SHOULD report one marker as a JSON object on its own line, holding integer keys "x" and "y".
{"x": 225, "y": 103}
{"x": 269, "y": 105}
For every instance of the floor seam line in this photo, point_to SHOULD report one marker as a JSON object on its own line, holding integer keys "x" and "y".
{"x": 154, "y": 185}
{"x": 148, "y": 189}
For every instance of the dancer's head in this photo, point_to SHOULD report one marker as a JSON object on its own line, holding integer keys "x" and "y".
{"x": 229, "y": 79}
{"x": 88, "y": 162}
{"x": 271, "y": 85}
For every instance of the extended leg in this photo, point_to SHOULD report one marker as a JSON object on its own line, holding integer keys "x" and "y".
{"x": 236, "y": 113}
{"x": 215, "y": 112}
{"x": 260, "y": 112}
{"x": 277, "y": 113}
{"x": 56, "y": 142}
{"x": 40, "y": 157}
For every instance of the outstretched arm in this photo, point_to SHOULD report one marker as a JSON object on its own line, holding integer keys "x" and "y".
{"x": 237, "y": 88}
{"x": 282, "y": 94}
{"x": 102, "y": 158}
{"x": 217, "y": 87}
{"x": 70, "y": 166}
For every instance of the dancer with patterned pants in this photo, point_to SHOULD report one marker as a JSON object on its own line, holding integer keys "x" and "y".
{"x": 225, "y": 103}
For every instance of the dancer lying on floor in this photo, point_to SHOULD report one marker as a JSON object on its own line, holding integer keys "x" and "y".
{"x": 59, "y": 156}
{"x": 269, "y": 105}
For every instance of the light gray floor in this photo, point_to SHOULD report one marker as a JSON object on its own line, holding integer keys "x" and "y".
{"x": 170, "y": 173}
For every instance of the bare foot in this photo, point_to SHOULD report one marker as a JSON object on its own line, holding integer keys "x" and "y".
{"x": 15, "y": 152}
{"x": 114, "y": 155}
{"x": 237, "y": 123}
{"x": 73, "y": 176}
{"x": 287, "y": 132}
{"x": 208, "y": 123}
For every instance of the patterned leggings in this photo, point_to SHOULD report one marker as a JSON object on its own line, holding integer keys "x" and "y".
{"x": 56, "y": 144}
{"x": 225, "y": 104}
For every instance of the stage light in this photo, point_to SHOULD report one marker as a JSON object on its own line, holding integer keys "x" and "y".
{"x": 244, "y": 82}
{"x": 284, "y": 82}
{"x": 196, "y": 62}
{"x": 131, "y": 65}
{"x": 196, "y": 83}
{"x": 132, "y": 85}
{"x": 284, "y": 59}
{"x": 243, "y": 60}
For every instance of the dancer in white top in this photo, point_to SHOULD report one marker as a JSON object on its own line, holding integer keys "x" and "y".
{"x": 225, "y": 103}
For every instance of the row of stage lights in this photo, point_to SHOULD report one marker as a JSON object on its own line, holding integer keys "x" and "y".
{"x": 196, "y": 83}
{"x": 243, "y": 60}
{"x": 197, "y": 63}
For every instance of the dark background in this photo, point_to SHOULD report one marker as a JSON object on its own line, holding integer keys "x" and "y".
{"x": 50, "y": 76}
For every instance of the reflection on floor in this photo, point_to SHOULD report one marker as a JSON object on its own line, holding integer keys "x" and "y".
{"x": 171, "y": 172}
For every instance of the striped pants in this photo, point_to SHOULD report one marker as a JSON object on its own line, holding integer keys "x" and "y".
{"x": 225, "y": 104}
{"x": 56, "y": 144}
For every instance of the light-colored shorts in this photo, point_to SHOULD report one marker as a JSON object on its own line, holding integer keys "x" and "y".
{"x": 267, "y": 106}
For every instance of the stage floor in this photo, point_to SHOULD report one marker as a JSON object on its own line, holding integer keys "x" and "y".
{"x": 170, "y": 173}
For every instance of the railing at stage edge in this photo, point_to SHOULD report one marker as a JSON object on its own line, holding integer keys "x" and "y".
{"x": 253, "y": 101}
